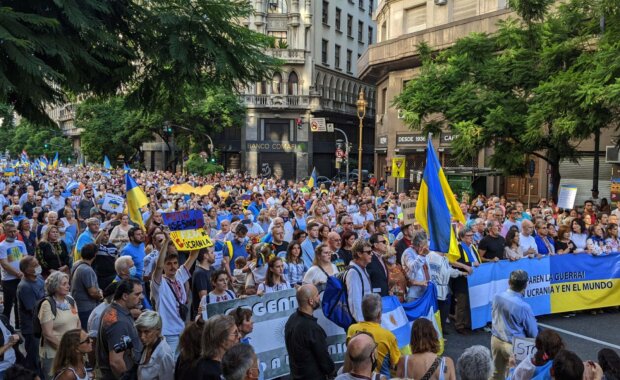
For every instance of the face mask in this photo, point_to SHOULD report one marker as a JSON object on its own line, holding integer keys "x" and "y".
{"x": 38, "y": 270}
{"x": 132, "y": 271}
{"x": 9, "y": 239}
{"x": 391, "y": 260}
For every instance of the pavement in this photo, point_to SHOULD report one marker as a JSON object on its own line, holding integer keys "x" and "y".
{"x": 585, "y": 334}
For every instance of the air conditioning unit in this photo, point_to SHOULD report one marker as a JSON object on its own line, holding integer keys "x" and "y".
{"x": 441, "y": 2}
{"x": 612, "y": 154}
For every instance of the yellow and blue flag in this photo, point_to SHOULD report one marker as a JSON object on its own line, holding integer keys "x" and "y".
{"x": 312, "y": 182}
{"x": 106, "y": 163}
{"x": 436, "y": 206}
{"x": 126, "y": 168}
{"x": 55, "y": 162}
{"x": 136, "y": 199}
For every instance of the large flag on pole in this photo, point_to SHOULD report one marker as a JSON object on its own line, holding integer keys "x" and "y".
{"x": 106, "y": 163}
{"x": 136, "y": 199}
{"x": 437, "y": 206}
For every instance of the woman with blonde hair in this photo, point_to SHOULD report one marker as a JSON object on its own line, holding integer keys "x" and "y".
{"x": 157, "y": 361}
{"x": 69, "y": 360}
{"x": 52, "y": 252}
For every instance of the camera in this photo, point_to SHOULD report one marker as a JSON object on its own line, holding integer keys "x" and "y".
{"x": 124, "y": 345}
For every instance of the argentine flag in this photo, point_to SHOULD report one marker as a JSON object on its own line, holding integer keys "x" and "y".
{"x": 395, "y": 319}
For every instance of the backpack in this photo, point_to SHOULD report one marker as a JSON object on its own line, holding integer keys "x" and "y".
{"x": 335, "y": 302}
{"x": 36, "y": 323}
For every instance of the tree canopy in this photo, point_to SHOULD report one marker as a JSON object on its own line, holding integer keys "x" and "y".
{"x": 538, "y": 86}
{"x": 146, "y": 49}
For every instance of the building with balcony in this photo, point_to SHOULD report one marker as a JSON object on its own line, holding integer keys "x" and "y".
{"x": 319, "y": 43}
{"x": 393, "y": 60}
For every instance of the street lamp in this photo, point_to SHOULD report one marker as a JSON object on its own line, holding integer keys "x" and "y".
{"x": 361, "y": 112}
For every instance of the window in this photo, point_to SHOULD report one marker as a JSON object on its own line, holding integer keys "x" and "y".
{"x": 276, "y": 84}
{"x": 361, "y": 4}
{"x": 337, "y": 57}
{"x": 338, "y": 14}
{"x": 414, "y": 19}
{"x": 370, "y": 32}
{"x": 384, "y": 35}
{"x": 279, "y": 37}
{"x": 349, "y": 62}
{"x": 325, "y": 17}
{"x": 293, "y": 83}
{"x": 383, "y": 101}
{"x": 277, "y": 6}
{"x": 324, "y": 52}
{"x": 360, "y": 31}
{"x": 370, "y": 7}
{"x": 350, "y": 26}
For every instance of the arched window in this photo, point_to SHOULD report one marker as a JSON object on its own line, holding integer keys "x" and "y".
{"x": 293, "y": 84}
{"x": 276, "y": 84}
{"x": 277, "y": 6}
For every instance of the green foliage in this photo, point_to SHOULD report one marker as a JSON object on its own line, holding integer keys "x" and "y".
{"x": 198, "y": 165}
{"x": 36, "y": 140}
{"x": 536, "y": 87}
{"x": 148, "y": 49}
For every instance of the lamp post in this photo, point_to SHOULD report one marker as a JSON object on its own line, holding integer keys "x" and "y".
{"x": 361, "y": 112}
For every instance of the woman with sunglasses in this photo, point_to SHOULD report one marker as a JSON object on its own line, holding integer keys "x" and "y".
{"x": 69, "y": 360}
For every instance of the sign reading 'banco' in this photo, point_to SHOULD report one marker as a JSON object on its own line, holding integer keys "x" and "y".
{"x": 274, "y": 146}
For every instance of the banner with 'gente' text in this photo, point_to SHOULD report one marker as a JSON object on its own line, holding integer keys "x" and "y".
{"x": 557, "y": 284}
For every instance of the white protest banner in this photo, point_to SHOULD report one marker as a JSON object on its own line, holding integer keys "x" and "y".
{"x": 522, "y": 348}
{"x": 270, "y": 313}
{"x": 113, "y": 203}
{"x": 566, "y": 197}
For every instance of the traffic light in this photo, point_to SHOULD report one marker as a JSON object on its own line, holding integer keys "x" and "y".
{"x": 47, "y": 146}
{"x": 212, "y": 160}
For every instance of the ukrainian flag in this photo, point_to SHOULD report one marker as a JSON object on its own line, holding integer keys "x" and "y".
{"x": 126, "y": 168}
{"x": 136, "y": 199}
{"x": 437, "y": 206}
{"x": 43, "y": 163}
{"x": 312, "y": 182}
{"x": 55, "y": 162}
{"x": 106, "y": 163}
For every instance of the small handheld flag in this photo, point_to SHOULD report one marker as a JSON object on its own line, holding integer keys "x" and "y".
{"x": 312, "y": 182}
{"x": 106, "y": 163}
{"x": 136, "y": 199}
{"x": 55, "y": 162}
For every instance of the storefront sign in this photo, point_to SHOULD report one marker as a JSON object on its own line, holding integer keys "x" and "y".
{"x": 411, "y": 139}
{"x": 274, "y": 146}
{"x": 447, "y": 138}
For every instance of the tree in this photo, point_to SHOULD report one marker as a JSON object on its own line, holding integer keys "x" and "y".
{"x": 37, "y": 140}
{"x": 149, "y": 49}
{"x": 535, "y": 88}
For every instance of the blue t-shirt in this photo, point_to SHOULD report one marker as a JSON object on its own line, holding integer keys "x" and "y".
{"x": 136, "y": 252}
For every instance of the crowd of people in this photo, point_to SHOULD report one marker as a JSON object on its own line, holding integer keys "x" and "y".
{"x": 89, "y": 293}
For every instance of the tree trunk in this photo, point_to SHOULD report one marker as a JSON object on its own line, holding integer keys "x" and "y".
{"x": 555, "y": 179}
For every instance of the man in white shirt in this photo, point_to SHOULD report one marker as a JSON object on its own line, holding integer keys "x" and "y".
{"x": 526, "y": 240}
{"x": 362, "y": 217}
{"x": 357, "y": 279}
{"x": 56, "y": 202}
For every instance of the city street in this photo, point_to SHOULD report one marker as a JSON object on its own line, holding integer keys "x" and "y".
{"x": 585, "y": 334}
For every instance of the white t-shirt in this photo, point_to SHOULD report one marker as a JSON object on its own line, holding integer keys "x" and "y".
{"x": 315, "y": 275}
{"x": 167, "y": 304}
{"x": 13, "y": 253}
{"x": 527, "y": 242}
{"x": 214, "y": 298}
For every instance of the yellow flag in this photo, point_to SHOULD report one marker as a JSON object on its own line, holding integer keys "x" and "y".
{"x": 398, "y": 167}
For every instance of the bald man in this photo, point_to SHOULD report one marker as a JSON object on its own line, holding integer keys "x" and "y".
{"x": 362, "y": 357}
{"x": 305, "y": 340}
{"x": 526, "y": 240}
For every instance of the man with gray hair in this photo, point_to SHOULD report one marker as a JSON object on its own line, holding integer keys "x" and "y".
{"x": 240, "y": 363}
{"x": 512, "y": 317}
{"x": 475, "y": 364}
{"x": 415, "y": 265}
{"x": 388, "y": 353}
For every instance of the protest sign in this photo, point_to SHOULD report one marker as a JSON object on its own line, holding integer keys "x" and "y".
{"x": 523, "y": 347}
{"x": 270, "y": 313}
{"x": 113, "y": 203}
{"x": 189, "y": 240}
{"x": 408, "y": 212}
{"x": 566, "y": 198}
{"x": 184, "y": 220}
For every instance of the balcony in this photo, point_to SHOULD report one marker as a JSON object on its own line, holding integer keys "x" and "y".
{"x": 274, "y": 101}
{"x": 289, "y": 56}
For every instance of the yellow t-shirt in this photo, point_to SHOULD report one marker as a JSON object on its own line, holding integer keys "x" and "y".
{"x": 388, "y": 353}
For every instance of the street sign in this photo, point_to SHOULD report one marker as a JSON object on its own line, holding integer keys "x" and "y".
{"x": 317, "y": 124}
{"x": 398, "y": 167}
{"x": 330, "y": 127}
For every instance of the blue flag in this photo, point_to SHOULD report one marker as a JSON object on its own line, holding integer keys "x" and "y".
{"x": 106, "y": 163}
{"x": 312, "y": 182}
